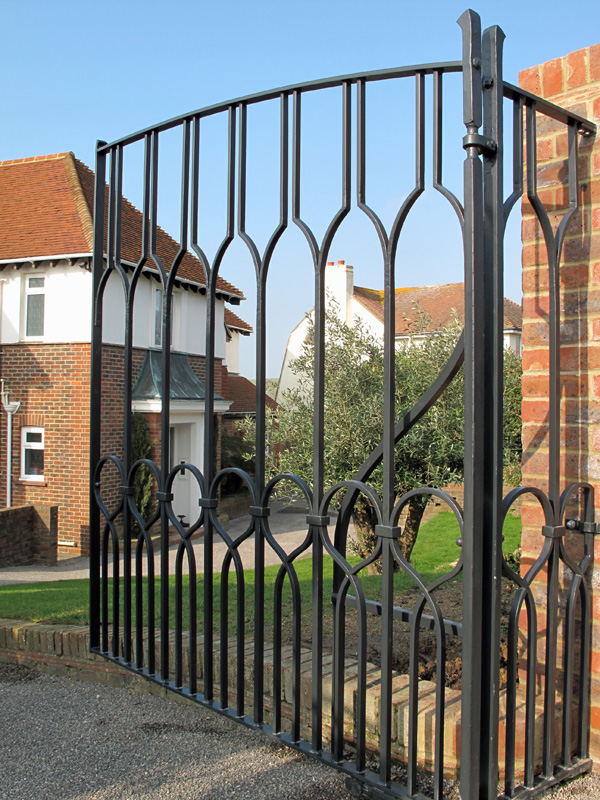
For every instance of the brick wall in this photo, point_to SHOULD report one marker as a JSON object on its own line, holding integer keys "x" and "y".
{"x": 572, "y": 82}
{"x": 28, "y": 535}
{"x": 52, "y": 382}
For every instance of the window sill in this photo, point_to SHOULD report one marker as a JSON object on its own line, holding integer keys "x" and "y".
{"x": 33, "y": 481}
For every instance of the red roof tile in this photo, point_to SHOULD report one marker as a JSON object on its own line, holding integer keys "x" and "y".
{"x": 233, "y": 321}
{"x": 38, "y": 215}
{"x": 243, "y": 393}
{"x": 46, "y": 208}
{"x": 439, "y": 302}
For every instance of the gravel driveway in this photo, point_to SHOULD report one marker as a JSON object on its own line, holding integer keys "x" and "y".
{"x": 84, "y": 741}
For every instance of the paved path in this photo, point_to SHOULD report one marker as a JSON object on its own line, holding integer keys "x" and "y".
{"x": 289, "y": 530}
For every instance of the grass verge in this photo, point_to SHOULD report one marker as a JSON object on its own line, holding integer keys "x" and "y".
{"x": 66, "y": 602}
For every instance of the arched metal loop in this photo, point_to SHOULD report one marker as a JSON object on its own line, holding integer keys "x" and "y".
{"x": 110, "y": 516}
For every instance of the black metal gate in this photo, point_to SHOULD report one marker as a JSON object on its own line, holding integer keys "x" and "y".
{"x": 263, "y": 684}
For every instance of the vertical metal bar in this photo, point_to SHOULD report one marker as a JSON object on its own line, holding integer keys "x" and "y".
{"x": 111, "y": 241}
{"x": 260, "y": 443}
{"x": 96, "y": 391}
{"x": 104, "y": 583}
{"x": 337, "y": 685}
{"x": 554, "y": 376}
{"x": 224, "y": 638}
{"x": 164, "y": 423}
{"x": 586, "y": 632}
{"x": 127, "y": 390}
{"x": 553, "y": 314}
{"x": 438, "y": 86}
{"x": 178, "y": 619}
{"x": 317, "y": 545}
{"x": 470, "y": 767}
{"x": 209, "y": 427}
{"x": 183, "y": 242}
{"x": 492, "y": 42}
{"x": 317, "y": 633}
{"x": 413, "y": 707}
{"x": 150, "y": 580}
{"x": 550, "y": 666}
{"x": 389, "y": 452}
{"x": 568, "y": 670}
{"x": 387, "y": 633}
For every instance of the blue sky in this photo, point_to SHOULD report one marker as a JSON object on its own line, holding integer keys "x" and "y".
{"x": 75, "y": 72}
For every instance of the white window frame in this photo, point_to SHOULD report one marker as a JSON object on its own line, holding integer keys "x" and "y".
{"x": 30, "y": 291}
{"x": 25, "y": 445}
{"x": 156, "y": 327}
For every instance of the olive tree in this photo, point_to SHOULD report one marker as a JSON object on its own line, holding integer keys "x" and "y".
{"x": 430, "y": 454}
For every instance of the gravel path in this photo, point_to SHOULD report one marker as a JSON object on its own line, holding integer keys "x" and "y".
{"x": 83, "y": 741}
{"x": 63, "y": 739}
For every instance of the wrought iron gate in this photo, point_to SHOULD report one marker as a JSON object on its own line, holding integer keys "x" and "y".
{"x": 198, "y": 658}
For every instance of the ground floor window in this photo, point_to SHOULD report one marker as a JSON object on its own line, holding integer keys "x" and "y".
{"x": 32, "y": 454}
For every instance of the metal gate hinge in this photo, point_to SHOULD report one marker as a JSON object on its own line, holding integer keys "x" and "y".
{"x": 581, "y": 526}
{"x": 482, "y": 143}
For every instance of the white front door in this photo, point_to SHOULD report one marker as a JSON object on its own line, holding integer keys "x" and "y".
{"x": 180, "y": 451}
{"x": 186, "y": 446}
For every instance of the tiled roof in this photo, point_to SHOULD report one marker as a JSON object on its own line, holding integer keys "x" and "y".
{"x": 439, "y": 302}
{"x": 39, "y": 213}
{"x": 243, "y": 393}
{"x": 233, "y": 321}
{"x": 46, "y": 208}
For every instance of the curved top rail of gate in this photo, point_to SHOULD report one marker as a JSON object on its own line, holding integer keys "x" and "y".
{"x": 511, "y": 92}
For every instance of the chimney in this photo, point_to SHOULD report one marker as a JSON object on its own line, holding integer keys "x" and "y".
{"x": 339, "y": 284}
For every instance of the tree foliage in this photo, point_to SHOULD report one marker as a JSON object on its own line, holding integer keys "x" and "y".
{"x": 143, "y": 482}
{"x": 431, "y": 454}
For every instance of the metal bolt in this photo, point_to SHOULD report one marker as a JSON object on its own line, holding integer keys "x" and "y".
{"x": 488, "y": 83}
{"x": 476, "y": 63}
{"x": 571, "y": 524}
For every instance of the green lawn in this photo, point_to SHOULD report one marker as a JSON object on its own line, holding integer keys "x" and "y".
{"x": 66, "y": 602}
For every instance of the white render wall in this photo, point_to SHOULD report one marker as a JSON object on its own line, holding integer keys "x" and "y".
{"x": 189, "y": 317}
{"x": 232, "y": 353}
{"x": 67, "y": 303}
{"x": 68, "y": 309}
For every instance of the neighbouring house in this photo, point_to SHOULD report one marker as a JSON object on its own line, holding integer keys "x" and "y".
{"x": 46, "y": 213}
{"x": 439, "y": 304}
{"x": 242, "y": 394}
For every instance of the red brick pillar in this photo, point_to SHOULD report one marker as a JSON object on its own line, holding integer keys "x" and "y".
{"x": 572, "y": 82}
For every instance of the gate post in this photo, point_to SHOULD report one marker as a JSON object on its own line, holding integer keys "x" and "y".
{"x": 483, "y": 231}
{"x": 572, "y": 82}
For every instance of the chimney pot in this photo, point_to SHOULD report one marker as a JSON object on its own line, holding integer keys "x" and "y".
{"x": 330, "y": 263}
{"x": 341, "y": 262}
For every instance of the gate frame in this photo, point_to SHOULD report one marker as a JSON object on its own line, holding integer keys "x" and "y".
{"x": 485, "y": 214}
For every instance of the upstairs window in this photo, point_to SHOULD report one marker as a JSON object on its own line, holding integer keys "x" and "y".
{"x": 34, "y": 306}
{"x": 158, "y": 303}
{"x": 32, "y": 454}
{"x": 157, "y": 319}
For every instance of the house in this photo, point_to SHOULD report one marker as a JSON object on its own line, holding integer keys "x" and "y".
{"x": 439, "y": 303}
{"x": 46, "y": 213}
